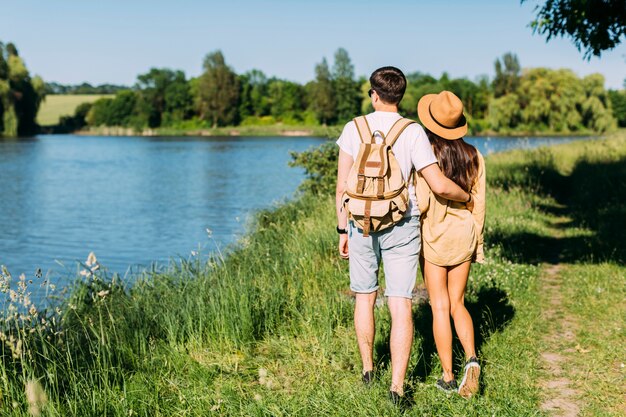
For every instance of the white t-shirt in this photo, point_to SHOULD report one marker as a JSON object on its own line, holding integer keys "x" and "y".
{"x": 412, "y": 149}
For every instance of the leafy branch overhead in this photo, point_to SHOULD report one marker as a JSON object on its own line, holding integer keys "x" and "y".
{"x": 593, "y": 25}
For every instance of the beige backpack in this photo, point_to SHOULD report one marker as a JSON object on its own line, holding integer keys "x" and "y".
{"x": 376, "y": 195}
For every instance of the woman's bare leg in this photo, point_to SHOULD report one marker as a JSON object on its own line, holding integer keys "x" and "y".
{"x": 436, "y": 278}
{"x": 457, "y": 281}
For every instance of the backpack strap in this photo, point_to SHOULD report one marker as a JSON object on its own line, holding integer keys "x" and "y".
{"x": 365, "y": 133}
{"x": 397, "y": 129}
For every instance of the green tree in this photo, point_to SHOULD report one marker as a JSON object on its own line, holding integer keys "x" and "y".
{"x": 418, "y": 85}
{"x": 20, "y": 95}
{"x": 218, "y": 91}
{"x": 118, "y": 111}
{"x": 504, "y": 113}
{"x": 163, "y": 92}
{"x": 507, "y": 75}
{"x": 178, "y": 99}
{"x": 346, "y": 89}
{"x": 322, "y": 100}
{"x": 593, "y": 25}
{"x": 618, "y": 104}
{"x": 77, "y": 121}
{"x": 4, "y": 66}
{"x": 554, "y": 101}
{"x": 286, "y": 100}
{"x": 258, "y": 92}
{"x": 596, "y": 109}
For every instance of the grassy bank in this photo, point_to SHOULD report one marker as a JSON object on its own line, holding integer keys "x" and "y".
{"x": 280, "y": 129}
{"x": 267, "y": 329}
{"x": 252, "y": 130}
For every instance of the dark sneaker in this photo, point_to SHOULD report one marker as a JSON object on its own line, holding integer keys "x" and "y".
{"x": 469, "y": 383}
{"x": 368, "y": 378}
{"x": 395, "y": 398}
{"x": 447, "y": 386}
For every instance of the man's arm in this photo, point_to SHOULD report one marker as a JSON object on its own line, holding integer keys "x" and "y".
{"x": 442, "y": 185}
{"x": 343, "y": 169}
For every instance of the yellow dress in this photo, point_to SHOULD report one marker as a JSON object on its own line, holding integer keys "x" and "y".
{"x": 450, "y": 233}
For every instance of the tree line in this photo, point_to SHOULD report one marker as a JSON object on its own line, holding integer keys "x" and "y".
{"x": 515, "y": 100}
{"x": 83, "y": 88}
{"x": 532, "y": 100}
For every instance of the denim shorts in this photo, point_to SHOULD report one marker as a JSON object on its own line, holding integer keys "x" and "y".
{"x": 397, "y": 246}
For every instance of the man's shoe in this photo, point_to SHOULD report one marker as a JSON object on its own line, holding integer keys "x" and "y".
{"x": 447, "y": 386}
{"x": 368, "y": 378}
{"x": 469, "y": 383}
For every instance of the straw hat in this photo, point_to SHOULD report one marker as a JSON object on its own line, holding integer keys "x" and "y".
{"x": 442, "y": 114}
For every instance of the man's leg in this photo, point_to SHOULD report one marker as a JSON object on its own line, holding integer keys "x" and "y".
{"x": 364, "y": 261}
{"x": 399, "y": 250}
{"x": 400, "y": 340}
{"x": 365, "y": 328}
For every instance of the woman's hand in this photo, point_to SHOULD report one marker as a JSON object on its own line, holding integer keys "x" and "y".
{"x": 343, "y": 246}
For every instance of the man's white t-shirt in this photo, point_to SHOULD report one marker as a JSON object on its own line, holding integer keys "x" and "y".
{"x": 412, "y": 149}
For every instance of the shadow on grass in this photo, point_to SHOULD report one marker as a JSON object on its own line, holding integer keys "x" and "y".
{"x": 592, "y": 196}
{"x": 491, "y": 311}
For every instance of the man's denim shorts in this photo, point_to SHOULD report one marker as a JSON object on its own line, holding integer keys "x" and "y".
{"x": 399, "y": 248}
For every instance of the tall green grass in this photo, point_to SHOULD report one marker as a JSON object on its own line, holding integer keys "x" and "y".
{"x": 266, "y": 329}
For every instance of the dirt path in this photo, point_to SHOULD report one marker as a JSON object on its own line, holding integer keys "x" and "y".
{"x": 560, "y": 398}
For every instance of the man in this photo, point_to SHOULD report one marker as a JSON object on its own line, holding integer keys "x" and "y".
{"x": 398, "y": 246}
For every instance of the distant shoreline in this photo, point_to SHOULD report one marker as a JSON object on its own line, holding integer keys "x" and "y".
{"x": 286, "y": 131}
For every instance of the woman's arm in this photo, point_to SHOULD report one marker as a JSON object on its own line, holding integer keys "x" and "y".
{"x": 442, "y": 185}
{"x": 478, "y": 214}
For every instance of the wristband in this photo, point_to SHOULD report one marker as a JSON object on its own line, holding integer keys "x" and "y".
{"x": 342, "y": 231}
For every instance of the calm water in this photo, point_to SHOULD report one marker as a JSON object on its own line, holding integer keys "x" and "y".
{"x": 137, "y": 201}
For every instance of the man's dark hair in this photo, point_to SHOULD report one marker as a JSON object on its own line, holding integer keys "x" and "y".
{"x": 389, "y": 83}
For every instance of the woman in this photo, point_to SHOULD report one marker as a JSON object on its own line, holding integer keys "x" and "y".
{"x": 452, "y": 236}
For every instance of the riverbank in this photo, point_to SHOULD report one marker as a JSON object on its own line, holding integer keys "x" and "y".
{"x": 271, "y": 130}
{"x": 289, "y": 130}
{"x": 267, "y": 329}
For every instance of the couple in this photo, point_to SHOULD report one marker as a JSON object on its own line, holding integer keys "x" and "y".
{"x": 447, "y": 196}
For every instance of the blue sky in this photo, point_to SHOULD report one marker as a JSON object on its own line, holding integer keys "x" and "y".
{"x": 114, "y": 41}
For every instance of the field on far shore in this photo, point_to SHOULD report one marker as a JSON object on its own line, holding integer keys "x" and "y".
{"x": 56, "y": 105}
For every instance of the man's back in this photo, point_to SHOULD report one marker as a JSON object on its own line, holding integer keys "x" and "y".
{"x": 412, "y": 149}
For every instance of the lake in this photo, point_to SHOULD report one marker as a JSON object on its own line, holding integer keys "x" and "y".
{"x": 143, "y": 201}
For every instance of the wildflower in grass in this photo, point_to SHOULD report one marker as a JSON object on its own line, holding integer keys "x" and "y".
{"x": 36, "y": 397}
{"x": 5, "y": 273}
{"x": 92, "y": 265}
{"x": 217, "y": 405}
{"x": 103, "y": 293}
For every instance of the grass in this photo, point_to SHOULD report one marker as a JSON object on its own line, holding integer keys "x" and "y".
{"x": 278, "y": 129}
{"x": 267, "y": 329}
{"x": 56, "y": 105}
{"x": 595, "y": 297}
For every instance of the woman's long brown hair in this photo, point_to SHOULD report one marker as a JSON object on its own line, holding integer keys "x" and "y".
{"x": 458, "y": 159}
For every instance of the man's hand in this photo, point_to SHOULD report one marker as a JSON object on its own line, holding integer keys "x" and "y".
{"x": 343, "y": 246}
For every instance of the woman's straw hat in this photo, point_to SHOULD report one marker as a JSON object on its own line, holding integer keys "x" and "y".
{"x": 442, "y": 114}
